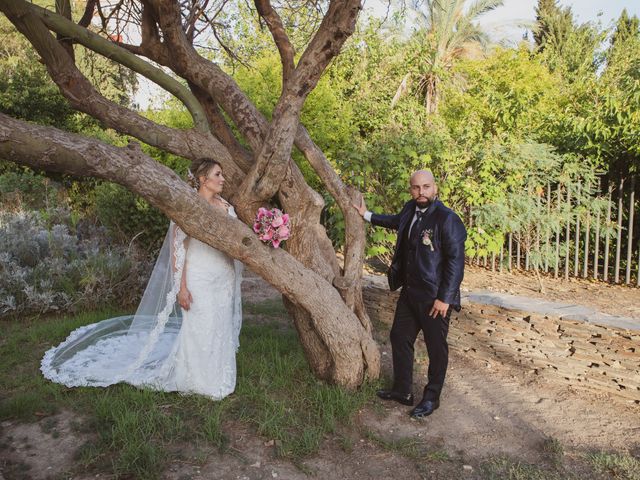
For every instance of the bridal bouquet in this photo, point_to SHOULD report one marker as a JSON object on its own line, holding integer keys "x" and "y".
{"x": 272, "y": 226}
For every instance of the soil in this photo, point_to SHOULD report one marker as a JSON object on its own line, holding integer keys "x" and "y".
{"x": 487, "y": 411}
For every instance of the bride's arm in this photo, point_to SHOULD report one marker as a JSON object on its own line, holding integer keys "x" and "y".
{"x": 184, "y": 295}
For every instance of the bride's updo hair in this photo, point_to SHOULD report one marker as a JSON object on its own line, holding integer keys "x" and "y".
{"x": 201, "y": 168}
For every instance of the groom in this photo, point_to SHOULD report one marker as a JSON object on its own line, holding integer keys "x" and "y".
{"x": 428, "y": 263}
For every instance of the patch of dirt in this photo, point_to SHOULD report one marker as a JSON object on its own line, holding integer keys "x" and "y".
{"x": 255, "y": 289}
{"x": 603, "y": 297}
{"x": 42, "y": 450}
{"x": 494, "y": 409}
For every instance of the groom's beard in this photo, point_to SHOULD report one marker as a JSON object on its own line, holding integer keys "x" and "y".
{"x": 424, "y": 202}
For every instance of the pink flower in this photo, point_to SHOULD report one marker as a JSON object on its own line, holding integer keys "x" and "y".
{"x": 272, "y": 226}
{"x": 283, "y": 232}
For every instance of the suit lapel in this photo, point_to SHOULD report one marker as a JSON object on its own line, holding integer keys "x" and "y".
{"x": 405, "y": 221}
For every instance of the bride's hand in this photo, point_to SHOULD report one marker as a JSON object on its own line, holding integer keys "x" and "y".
{"x": 185, "y": 298}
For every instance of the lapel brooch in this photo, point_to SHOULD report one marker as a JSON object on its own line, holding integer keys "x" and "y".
{"x": 426, "y": 238}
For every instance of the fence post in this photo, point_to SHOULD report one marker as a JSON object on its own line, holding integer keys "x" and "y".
{"x": 576, "y": 257}
{"x": 616, "y": 272}
{"x": 510, "y": 251}
{"x": 567, "y": 240}
{"x": 587, "y": 228}
{"x": 607, "y": 239}
{"x": 596, "y": 260}
{"x": 556, "y": 265}
{"x": 547, "y": 233}
{"x": 627, "y": 278}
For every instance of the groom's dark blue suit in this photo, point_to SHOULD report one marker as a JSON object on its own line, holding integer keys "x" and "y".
{"x": 428, "y": 263}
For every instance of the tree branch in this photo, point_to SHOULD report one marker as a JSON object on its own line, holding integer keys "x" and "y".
{"x": 89, "y": 9}
{"x": 220, "y": 128}
{"x": 83, "y": 96}
{"x": 63, "y": 8}
{"x": 98, "y": 44}
{"x": 221, "y": 87}
{"x": 280, "y": 37}
{"x": 337, "y": 25}
{"x": 272, "y": 160}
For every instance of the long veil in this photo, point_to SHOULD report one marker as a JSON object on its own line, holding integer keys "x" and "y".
{"x": 135, "y": 349}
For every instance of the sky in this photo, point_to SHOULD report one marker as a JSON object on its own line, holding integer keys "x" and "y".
{"x": 502, "y": 23}
{"x": 507, "y": 23}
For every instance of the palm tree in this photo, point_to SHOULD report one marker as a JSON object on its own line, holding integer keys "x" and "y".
{"x": 447, "y": 33}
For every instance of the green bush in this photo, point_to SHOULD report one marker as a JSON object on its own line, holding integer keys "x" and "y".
{"x": 45, "y": 265}
{"x": 129, "y": 218}
{"x": 22, "y": 188}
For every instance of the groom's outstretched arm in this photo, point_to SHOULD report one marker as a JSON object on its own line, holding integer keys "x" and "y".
{"x": 386, "y": 221}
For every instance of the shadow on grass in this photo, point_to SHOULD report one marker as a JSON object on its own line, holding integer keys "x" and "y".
{"x": 138, "y": 432}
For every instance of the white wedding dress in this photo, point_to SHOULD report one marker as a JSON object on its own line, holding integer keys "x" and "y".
{"x": 163, "y": 347}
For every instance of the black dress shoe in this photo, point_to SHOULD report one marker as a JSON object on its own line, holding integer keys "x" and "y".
{"x": 424, "y": 408}
{"x": 403, "y": 398}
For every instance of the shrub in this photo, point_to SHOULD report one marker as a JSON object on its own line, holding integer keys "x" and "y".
{"x": 128, "y": 216}
{"x": 26, "y": 189}
{"x": 44, "y": 267}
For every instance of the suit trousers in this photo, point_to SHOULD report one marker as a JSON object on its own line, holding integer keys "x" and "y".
{"x": 411, "y": 316}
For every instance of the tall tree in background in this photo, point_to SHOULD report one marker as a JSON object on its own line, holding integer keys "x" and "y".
{"x": 324, "y": 297}
{"x": 565, "y": 45}
{"x": 552, "y": 22}
{"x": 626, "y": 28}
{"x": 447, "y": 33}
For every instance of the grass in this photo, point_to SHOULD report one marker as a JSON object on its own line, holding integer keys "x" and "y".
{"x": 137, "y": 433}
{"x": 416, "y": 449}
{"x": 269, "y": 308}
{"x": 553, "y": 449}
{"x": 616, "y": 465}
{"x": 503, "y": 468}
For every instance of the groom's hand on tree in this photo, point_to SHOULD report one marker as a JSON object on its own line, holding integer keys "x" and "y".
{"x": 185, "y": 298}
{"x": 438, "y": 308}
{"x": 362, "y": 208}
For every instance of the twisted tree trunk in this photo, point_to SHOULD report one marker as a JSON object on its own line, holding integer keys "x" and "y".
{"x": 324, "y": 299}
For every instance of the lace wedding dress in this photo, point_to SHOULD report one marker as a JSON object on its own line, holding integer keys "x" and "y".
{"x": 162, "y": 346}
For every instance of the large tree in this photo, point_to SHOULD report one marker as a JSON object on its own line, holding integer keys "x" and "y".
{"x": 323, "y": 296}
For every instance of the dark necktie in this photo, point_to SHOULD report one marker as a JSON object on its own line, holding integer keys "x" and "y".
{"x": 415, "y": 228}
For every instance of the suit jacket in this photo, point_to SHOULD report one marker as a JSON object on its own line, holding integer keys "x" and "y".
{"x": 433, "y": 267}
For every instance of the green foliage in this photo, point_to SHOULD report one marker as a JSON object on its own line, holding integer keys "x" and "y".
{"x": 111, "y": 79}
{"x": 448, "y": 33}
{"x": 24, "y": 189}
{"x": 129, "y": 217}
{"x": 26, "y": 91}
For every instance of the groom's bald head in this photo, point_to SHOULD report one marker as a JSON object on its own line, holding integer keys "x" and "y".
{"x": 423, "y": 187}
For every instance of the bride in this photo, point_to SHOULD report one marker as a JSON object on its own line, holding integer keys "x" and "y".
{"x": 184, "y": 334}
